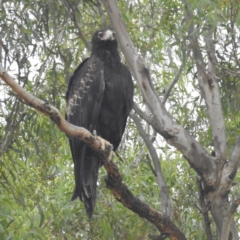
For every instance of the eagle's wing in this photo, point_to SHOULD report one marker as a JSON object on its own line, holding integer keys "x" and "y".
{"x": 84, "y": 98}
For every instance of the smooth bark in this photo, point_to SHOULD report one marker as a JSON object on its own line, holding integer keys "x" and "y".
{"x": 174, "y": 134}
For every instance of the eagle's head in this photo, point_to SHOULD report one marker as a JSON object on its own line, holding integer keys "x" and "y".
{"x": 107, "y": 35}
{"x": 104, "y": 35}
{"x": 104, "y": 38}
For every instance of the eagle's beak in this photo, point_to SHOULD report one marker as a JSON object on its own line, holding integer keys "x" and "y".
{"x": 108, "y": 35}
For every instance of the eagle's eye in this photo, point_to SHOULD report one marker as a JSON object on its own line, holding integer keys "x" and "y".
{"x": 100, "y": 34}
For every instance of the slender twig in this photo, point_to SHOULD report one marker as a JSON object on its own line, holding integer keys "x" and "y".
{"x": 175, "y": 80}
{"x": 164, "y": 196}
{"x": 100, "y": 11}
{"x": 149, "y": 162}
{"x": 72, "y": 12}
{"x": 12, "y": 125}
{"x": 81, "y": 35}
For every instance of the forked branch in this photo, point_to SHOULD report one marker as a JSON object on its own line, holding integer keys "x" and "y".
{"x": 163, "y": 122}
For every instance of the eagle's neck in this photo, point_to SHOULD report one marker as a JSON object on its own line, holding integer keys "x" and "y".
{"x": 109, "y": 56}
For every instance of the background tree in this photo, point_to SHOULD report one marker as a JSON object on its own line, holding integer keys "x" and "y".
{"x": 186, "y": 106}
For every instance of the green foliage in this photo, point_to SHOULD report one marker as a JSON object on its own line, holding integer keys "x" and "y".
{"x": 41, "y": 46}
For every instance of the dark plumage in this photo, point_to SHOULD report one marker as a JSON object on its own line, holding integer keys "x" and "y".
{"x": 99, "y": 97}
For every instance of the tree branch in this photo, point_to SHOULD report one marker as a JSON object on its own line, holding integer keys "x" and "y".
{"x": 209, "y": 86}
{"x": 9, "y": 135}
{"x": 223, "y": 216}
{"x": 174, "y": 134}
{"x": 208, "y": 82}
{"x": 52, "y": 113}
{"x": 73, "y": 15}
{"x": 114, "y": 180}
{"x": 100, "y": 11}
{"x": 164, "y": 194}
{"x": 234, "y": 161}
{"x": 123, "y": 195}
{"x": 144, "y": 116}
{"x": 204, "y": 211}
{"x": 227, "y": 220}
{"x": 175, "y": 80}
{"x": 230, "y": 170}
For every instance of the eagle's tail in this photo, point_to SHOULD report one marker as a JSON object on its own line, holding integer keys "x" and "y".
{"x": 86, "y": 175}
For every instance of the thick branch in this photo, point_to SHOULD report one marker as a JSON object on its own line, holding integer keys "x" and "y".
{"x": 52, "y": 112}
{"x": 123, "y": 195}
{"x": 213, "y": 98}
{"x": 114, "y": 180}
{"x": 175, "y": 135}
{"x": 209, "y": 85}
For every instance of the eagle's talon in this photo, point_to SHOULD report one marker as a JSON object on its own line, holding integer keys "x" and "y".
{"x": 110, "y": 156}
{"x": 102, "y": 143}
{"x": 110, "y": 148}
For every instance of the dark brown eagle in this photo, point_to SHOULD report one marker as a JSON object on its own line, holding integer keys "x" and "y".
{"x": 99, "y": 97}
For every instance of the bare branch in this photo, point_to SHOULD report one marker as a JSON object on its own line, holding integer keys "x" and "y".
{"x": 234, "y": 15}
{"x": 174, "y": 134}
{"x": 143, "y": 115}
{"x": 9, "y": 135}
{"x": 214, "y": 100}
{"x": 228, "y": 218}
{"x": 223, "y": 216}
{"x": 72, "y": 12}
{"x": 209, "y": 86}
{"x": 51, "y": 112}
{"x": 234, "y": 161}
{"x": 13, "y": 122}
{"x": 123, "y": 195}
{"x": 104, "y": 23}
{"x": 80, "y": 34}
{"x": 175, "y": 80}
{"x": 114, "y": 180}
{"x": 230, "y": 169}
{"x": 204, "y": 211}
{"x": 164, "y": 195}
